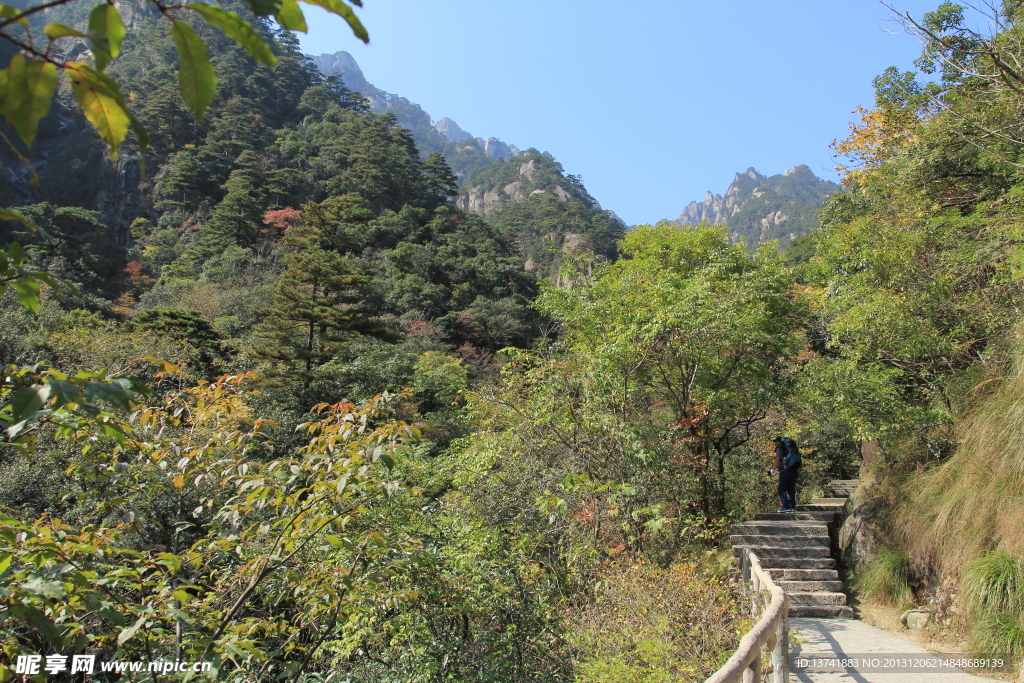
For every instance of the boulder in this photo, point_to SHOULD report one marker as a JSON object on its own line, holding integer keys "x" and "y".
{"x": 916, "y": 619}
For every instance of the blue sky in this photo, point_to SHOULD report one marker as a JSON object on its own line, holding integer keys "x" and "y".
{"x": 653, "y": 102}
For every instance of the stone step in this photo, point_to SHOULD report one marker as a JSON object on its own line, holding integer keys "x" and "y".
{"x": 780, "y": 541}
{"x": 781, "y": 528}
{"x": 845, "y": 482}
{"x": 809, "y": 563}
{"x": 817, "y": 598}
{"x": 799, "y": 554}
{"x": 782, "y": 574}
{"x": 828, "y": 501}
{"x": 795, "y": 516}
{"x": 814, "y": 507}
{"x": 810, "y": 586}
{"x": 821, "y": 611}
{"x": 837, "y": 492}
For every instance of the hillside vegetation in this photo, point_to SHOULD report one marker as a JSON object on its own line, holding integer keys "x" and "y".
{"x": 918, "y": 283}
{"x": 281, "y": 399}
{"x": 244, "y": 362}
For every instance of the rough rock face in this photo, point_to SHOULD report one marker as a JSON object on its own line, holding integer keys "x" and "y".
{"x": 344, "y": 65}
{"x": 451, "y": 131}
{"x": 496, "y": 149}
{"x": 757, "y": 208}
{"x": 485, "y": 201}
{"x": 120, "y": 200}
{"x": 859, "y": 535}
{"x": 409, "y": 114}
{"x": 716, "y": 209}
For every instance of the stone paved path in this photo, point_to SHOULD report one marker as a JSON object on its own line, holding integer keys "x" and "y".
{"x": 852, "y": 639}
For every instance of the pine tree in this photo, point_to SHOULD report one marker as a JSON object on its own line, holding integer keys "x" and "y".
{"x": 238, "y": 218}
{"x": 441, "y": 183}
{"x": 316, "y": 307}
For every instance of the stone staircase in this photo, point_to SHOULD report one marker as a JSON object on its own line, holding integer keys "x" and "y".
{"x": 799, "y": 550}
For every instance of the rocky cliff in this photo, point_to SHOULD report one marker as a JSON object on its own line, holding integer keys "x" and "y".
{"x": 757, "y": 208}
{"x": 547, "y": 213}
{"x": 516, "y": 181}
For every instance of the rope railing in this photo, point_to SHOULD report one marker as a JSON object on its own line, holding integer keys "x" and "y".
{"x": 770, "y": 632}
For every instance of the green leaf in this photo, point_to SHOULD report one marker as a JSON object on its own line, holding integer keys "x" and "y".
{"x": 27, "y": 401}
{"x": 55, "y": 31}
{"x": 238, "y": 29}
{"x": 27, "y": 289}
{"x": 264, "y": 8}
{"x": 14, "y": 87}
{"x": 7, "y": 12}
{"x": 101, "y": 102}
{"x": 112, "y": 393}
{"x": 65, "y": 392}
{"x": 290, "y": 16}
{"x": 131, "y": 630}
{"x": 47, "y": 589}
{"x": 40, "y": 85}
{"x": 345, "y": 12}
{"x": 196, "y": 77}
{"x": 8, "y": 215}
{"x": 17, "y": 254}
{"x": 106, "y": 30}
{"x": 112, "y": 431}
{"x": 38, "y": 619}
{"x": 5, "y": 561}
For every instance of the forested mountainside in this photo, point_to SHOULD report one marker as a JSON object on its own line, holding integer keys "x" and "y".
{"x": 548, "y": 213}
{"x": 280, "y": 402}
{"x": 465, "y": 154}
{"x": 756, "y": 208}
{"x": 527, "y": 196}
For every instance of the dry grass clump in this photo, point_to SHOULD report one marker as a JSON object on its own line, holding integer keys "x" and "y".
{"x": 965, "y": 519}
{"x": 974, "y": 502}
{"x": 652, "y": 625}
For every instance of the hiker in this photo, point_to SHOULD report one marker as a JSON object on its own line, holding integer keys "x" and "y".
{"x": 787, "y": 465}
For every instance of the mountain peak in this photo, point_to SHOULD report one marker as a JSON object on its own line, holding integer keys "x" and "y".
{"x": 799, "y": 169}
{"x": 756, "y": 208}
{"x": 451, "y": 130}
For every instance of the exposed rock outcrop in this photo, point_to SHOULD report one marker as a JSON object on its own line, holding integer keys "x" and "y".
{"x": 488, "y": 200}
{"x": 451, "y": 130}
{"x": 120, "y": 199}
{"x": 859, "y": 537}
{"x": 496, "y": 149}
{"x": 757, "y": 208}
{"x": 429, "y": 136}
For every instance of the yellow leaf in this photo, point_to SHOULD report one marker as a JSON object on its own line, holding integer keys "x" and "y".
{"x": 101, "y": 102}
{"x": 178, "y": 482}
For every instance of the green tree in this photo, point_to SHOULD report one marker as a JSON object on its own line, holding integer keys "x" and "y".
{"x": 316, "y": 307}
{"x": 694, "y": 325}
{"x": 441, "y": 183}
{"x": 238, "y": 218}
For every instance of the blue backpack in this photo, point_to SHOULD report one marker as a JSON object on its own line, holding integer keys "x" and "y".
{"x": 792, "y": 458}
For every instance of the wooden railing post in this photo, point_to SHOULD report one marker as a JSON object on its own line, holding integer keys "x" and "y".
{"x": 780, "y": 654}
{"x": 771, "y": 630}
